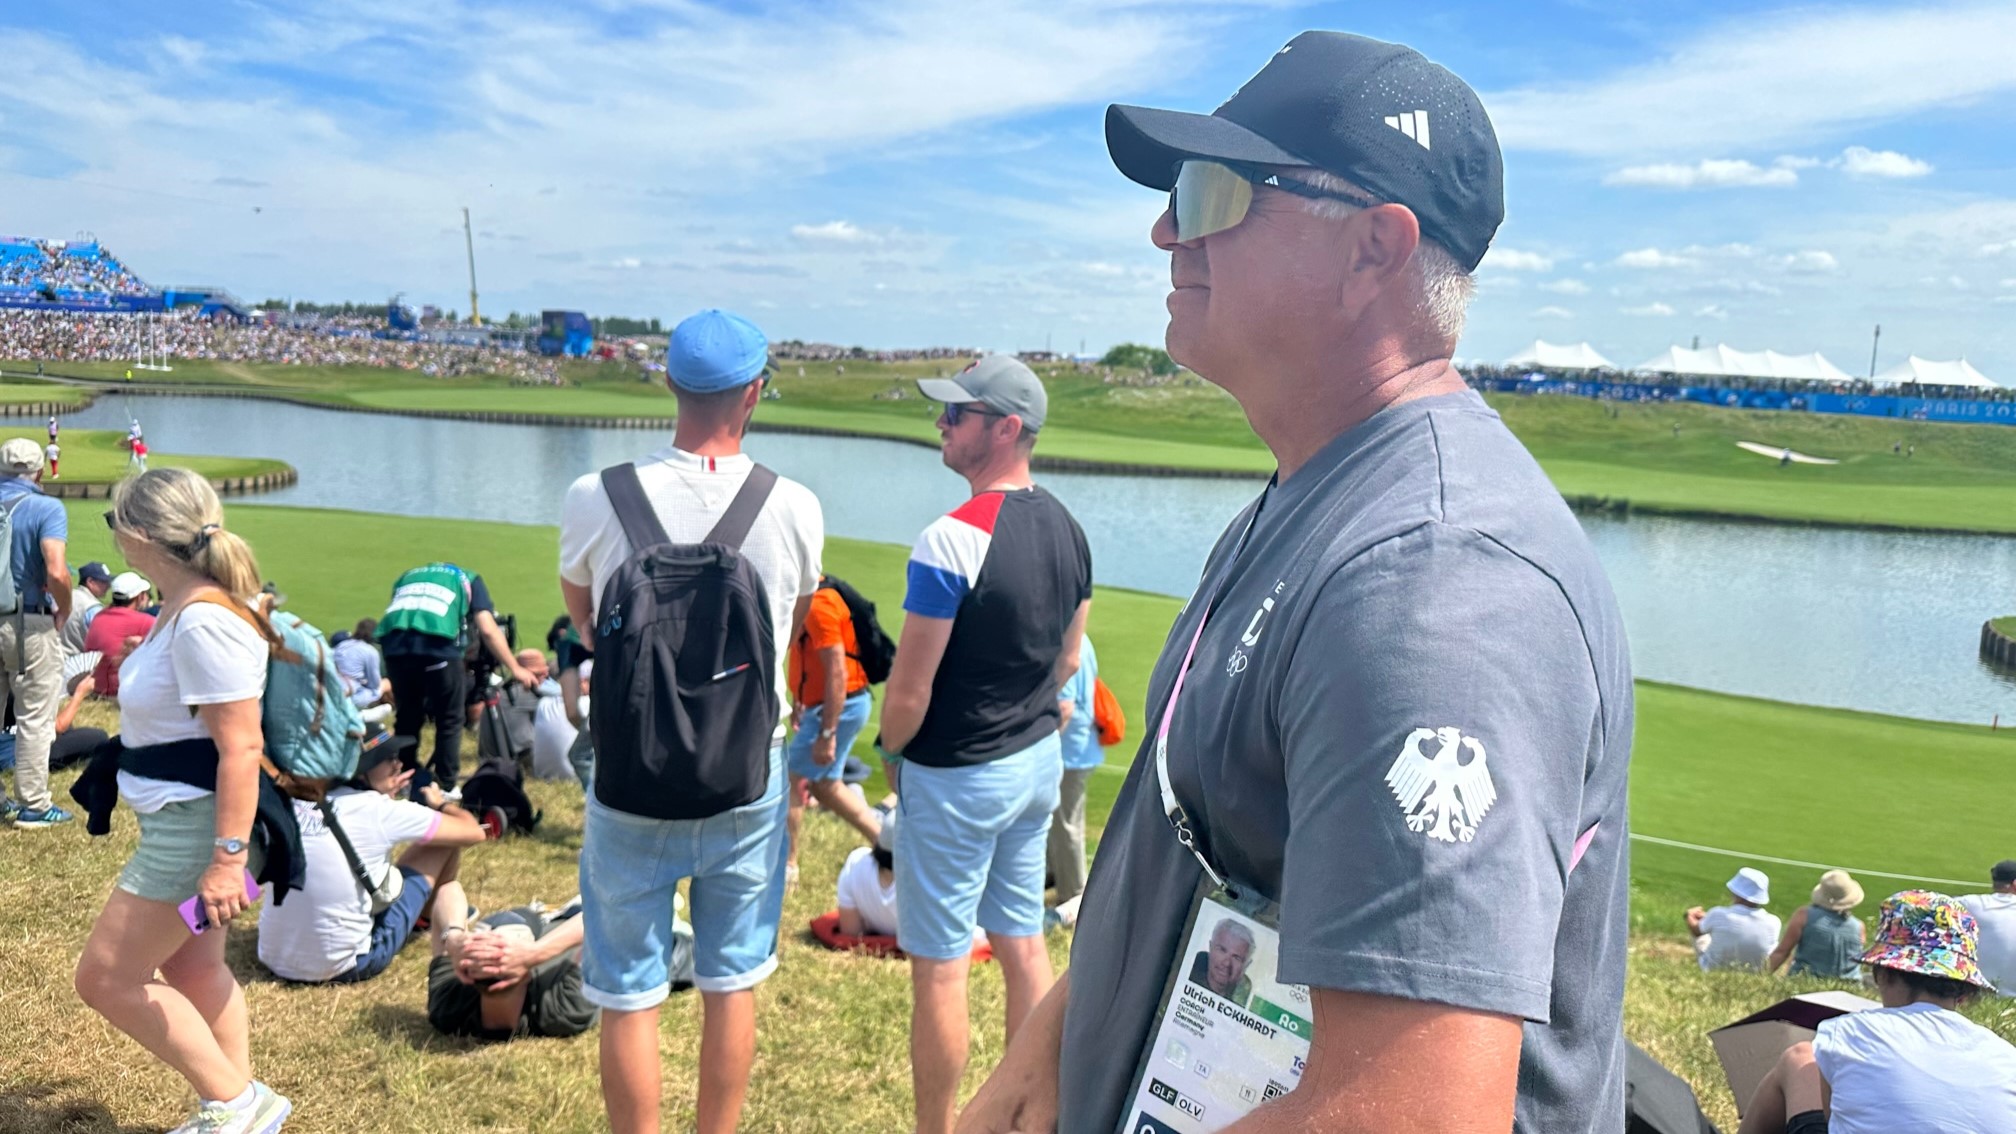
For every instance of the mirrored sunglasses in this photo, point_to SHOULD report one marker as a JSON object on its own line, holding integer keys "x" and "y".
{"x": 1212, "y": 196}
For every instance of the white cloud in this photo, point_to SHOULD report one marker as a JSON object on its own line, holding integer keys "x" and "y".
{"x": 1569, "y": 286}
{"x": 1102, "y": 268}
{"x": 1552, "y": 312}
{"x": 1794, "y": 161}
{"x": 1652, "y": 258}
{"x": 1712, "y": 173}
{"x": 1808, "y": 262}
{"x": 1734, "y": 250}
{"x": 2011, "y": 282}
{"x": 1655, "y": 308}
{"x": 1515, "y": 260}
{"x": 834, "y": 232}
{"x": 1712, "y": 311}
{"x": 1997, "y": 248}
{"x": 1860, "y": 161}
{"x": 1791, "y": 76}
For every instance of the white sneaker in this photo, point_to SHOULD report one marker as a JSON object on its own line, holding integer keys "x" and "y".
{"x": 267, "y": 1114}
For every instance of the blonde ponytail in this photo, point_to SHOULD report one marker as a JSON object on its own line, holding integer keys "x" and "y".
{"x": 179, "y": 511}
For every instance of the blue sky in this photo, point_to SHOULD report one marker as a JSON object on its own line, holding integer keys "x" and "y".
{"x": 910, "y": 172}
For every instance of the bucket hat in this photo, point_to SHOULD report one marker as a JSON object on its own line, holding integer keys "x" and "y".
{"x": 1837, "y": 891}
{"x": 1751, "y": 885}
{"x": 1918, "y": 931}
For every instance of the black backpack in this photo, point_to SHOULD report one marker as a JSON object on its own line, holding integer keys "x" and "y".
{"x": 878, "y": 653}
{"x": 495, "y": 795}
{"x": 684, "y": 694}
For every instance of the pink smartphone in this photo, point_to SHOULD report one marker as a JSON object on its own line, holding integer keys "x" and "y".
{"x": 198, "y": 919}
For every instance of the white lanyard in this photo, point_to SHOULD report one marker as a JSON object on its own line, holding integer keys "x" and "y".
{"x": 1172, "y": 808}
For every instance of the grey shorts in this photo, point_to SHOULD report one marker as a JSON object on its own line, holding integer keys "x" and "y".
{"x": 176, "y": 844}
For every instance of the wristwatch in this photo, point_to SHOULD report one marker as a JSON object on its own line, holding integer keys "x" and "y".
{"x": 829, "y": 733}
{"x": 230, "y": 846}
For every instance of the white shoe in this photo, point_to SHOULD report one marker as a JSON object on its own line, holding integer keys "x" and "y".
{"x": 267, "y": 1114}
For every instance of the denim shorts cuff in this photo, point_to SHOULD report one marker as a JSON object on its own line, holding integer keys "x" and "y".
{"x": 739, "y": 982}
{"x": 625, "y": 1001}
{"x": 962, "y": 949}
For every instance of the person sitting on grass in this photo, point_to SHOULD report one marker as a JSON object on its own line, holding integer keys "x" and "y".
{"x": 338, "y": 929}
{"x": 1824, "y": 939}
{"x": 866, "y": 890}
{"x": 1913, "y": 1066}
{"x": 514, "y": 973}
{"x": 1739, "y": 936}
{"x": 1995, "y": 912}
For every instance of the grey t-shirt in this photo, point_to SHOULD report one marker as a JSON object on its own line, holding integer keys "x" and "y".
{"x": 1414, "y": 600}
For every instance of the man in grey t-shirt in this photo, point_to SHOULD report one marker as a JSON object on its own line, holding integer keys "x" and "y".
{"x": 1407, "y": 717}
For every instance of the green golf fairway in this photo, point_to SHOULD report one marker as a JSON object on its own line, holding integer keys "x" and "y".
{"x": 1678, "y": 458}
{"x": 1789, "y": 781}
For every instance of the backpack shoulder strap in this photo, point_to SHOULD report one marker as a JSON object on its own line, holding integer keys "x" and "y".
{"x": 633, "y": 509}
{"x": 733, "y": 526}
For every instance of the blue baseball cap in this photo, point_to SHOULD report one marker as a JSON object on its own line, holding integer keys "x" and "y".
{"x": 714, "y": 351}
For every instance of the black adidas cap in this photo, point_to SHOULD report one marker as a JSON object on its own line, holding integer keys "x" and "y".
{"x": 1377, "y": 114}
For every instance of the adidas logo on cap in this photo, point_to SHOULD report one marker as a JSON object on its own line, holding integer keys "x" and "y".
{"x": 1414, "y": 124}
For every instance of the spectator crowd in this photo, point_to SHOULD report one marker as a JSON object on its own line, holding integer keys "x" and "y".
{"x": 68, "y": 336}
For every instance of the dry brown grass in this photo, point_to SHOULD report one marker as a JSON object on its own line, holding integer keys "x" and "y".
{"x": 833, "y": 1029}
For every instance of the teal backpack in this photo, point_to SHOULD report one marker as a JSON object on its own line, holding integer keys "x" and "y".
{"x": 312, "y": 728}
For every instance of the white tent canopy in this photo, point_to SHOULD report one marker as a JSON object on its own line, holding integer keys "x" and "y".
{"x": 1722, "y": 360}
{"x": 1550, "y": 356}
{"x": 1927, "y": 372}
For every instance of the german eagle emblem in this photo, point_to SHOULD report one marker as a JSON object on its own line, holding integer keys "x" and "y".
{"x": 1443, "y": 794}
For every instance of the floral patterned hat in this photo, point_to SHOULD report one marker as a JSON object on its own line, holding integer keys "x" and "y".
{"x": 1919, "y": 931}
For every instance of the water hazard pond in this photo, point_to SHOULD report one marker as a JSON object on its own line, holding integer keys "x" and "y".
{"x": 1870, "y": 620}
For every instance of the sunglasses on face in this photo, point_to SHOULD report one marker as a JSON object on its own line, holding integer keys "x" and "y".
{"x": 1212, "y": 196}
{"x": 956, "y": 412}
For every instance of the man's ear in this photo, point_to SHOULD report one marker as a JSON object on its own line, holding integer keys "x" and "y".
{"x": 1384, "y": 240}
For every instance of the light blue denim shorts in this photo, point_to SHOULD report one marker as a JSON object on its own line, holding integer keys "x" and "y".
{"x": 970, "y": 849}
{"x": 631, "y": 867}
{"x": 853, "y": 718}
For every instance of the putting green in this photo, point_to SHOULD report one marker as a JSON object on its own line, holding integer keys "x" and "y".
{"x": 99, "y": 456}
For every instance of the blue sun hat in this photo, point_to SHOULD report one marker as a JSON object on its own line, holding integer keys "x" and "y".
{"x": 715, "y": 350}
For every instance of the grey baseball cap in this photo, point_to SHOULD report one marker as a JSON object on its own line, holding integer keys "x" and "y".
{"x": 998, "y": 381}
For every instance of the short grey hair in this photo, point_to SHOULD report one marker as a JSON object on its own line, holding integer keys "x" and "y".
{"x": 1445, "y": 288}
{"x": 1235, "y": 929}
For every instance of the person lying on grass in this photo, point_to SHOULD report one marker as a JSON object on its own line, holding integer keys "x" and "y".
{"x": 514, "y": 973}
{"x": 1913, "y": 1065}
{"x": 338, "y": 928}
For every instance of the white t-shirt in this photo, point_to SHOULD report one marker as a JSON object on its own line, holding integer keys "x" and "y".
{"x": 317, "y": 933}
{"x": 1997, "y": 915}
{"x": 1740, "y": 937}
{"x": 206, "y": 655}
{"x": 690, "y": 493}
{"x": 1919, "y": 1069}
{"x": 860, "y": 889}
{"x": 552, "y": 735}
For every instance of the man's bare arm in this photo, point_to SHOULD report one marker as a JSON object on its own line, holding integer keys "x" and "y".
{"x": 1370, "y": 1056}
{"x": 1020, "y": 1097}
{"x": 907, "y": 696}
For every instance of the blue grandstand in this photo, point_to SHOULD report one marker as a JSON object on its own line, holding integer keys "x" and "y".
{"x": 82, "y": 275}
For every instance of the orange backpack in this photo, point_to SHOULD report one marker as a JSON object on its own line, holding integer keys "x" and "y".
{"x": 1107, "y": 715}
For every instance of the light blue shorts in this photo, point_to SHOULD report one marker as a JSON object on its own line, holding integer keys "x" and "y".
{"x": 632, "y": 865}
{"x": 853, "y": 718}
{"x": 970, "y": 849}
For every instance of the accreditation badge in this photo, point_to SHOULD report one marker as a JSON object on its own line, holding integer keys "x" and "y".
{"x": 1228, "y": 1036}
